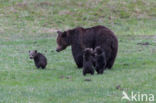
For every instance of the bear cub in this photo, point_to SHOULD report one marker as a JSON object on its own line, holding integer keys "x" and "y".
{"x": 88, "y": 61}
{"x": 100, "y": 60}
{"x": 39, "y": 59}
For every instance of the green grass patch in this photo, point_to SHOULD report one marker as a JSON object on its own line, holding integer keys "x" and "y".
{"x": 32, "y": 24}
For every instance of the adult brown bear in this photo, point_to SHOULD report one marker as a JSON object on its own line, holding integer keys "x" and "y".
{"x": 80, "y": 38}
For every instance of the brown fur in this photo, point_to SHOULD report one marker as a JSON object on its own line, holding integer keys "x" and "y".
{"x": 39, "y": 59}
{"x": 100, "y": 60}
{"x": 80, "y": 38}
{"x": 88, "y": 61}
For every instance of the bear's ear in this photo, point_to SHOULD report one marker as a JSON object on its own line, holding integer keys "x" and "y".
{"x": 64, "y": 34}
{"x": 29, "y": 51}
{"x": 35, "y": 51}
{"x": 59, "y": 32}
{"x": 72, "y": 31}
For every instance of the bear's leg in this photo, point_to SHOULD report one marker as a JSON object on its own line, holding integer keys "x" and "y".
{"x": 79, "y": 61}
{"x": 110, "y": 63}
{"x": 84, "y": 72}
{"x": 43, "y": 67}
{"x": 94, "y": 62}
{"x": 100, "y": 71}
{"x": 111, "y": 60}
{"x": 38, "y": 66}
{"x": 92, "y": 72}
{"x": 97, "y": 68}
{"x": 78, "y": 57}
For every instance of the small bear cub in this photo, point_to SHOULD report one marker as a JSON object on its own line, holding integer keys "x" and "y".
{"x": 39, "y": 59}
{"x": 88, "y": 61}
{"x": 100, "y": 60}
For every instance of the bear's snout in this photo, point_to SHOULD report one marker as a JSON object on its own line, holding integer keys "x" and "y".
{"x": 58, "y": 49}
{"x": 31, "y": 57}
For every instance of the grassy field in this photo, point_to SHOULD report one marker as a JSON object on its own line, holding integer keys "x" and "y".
{"x": 32, "y": 24}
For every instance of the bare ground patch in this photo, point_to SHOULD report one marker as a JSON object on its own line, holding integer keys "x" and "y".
{"x": 48, "y": 30}
{"x": 44, "y": 4}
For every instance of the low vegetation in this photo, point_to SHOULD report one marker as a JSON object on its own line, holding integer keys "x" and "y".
{"x": 32, "y": 24}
